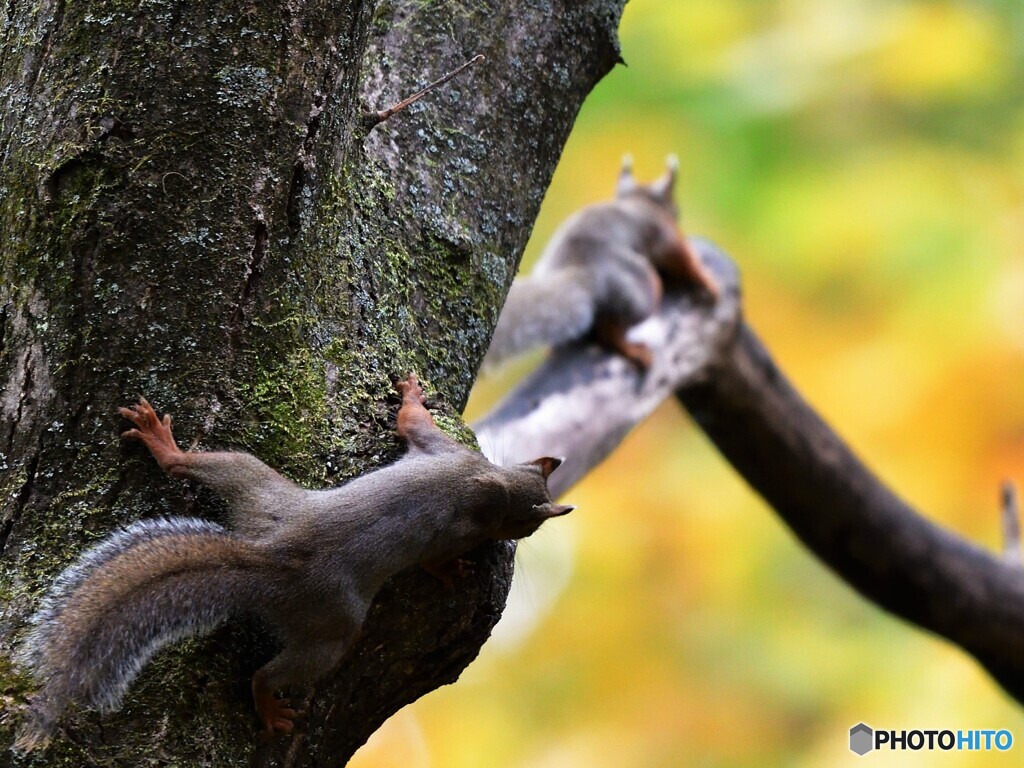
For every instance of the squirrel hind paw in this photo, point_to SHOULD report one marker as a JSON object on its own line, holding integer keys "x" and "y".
{"x": 143, "y": 416}
{"x": 36, "y": 733}
{"x": 277, "y": 716}
{"x": 639, "y": 355}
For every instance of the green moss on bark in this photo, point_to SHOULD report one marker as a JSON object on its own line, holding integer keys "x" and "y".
{"x": 191, "y": 210}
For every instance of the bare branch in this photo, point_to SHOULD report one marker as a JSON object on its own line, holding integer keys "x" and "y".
{"x": 582, "y": 402}
{"x": 370, "y": 119}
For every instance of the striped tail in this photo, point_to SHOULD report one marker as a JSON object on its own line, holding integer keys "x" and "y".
{"x": 155, "y": 582}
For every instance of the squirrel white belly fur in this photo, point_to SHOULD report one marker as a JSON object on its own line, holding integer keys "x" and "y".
{"x": 309, "y": 562}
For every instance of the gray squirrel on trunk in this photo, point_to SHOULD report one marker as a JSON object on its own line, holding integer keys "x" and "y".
{"x": 309, "y": 562}
{"x": 602, "y": 273}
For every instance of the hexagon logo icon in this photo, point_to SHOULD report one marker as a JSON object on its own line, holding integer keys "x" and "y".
{"x": 862, "y": 739}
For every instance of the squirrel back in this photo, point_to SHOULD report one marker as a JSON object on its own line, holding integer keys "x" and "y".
{"x": 101, "y": 622}
{"x": 601, "y": 274}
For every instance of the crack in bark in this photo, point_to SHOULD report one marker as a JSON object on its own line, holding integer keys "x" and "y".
{"x": 26, "y": 389}
{"x": 79, "y": 325}
{"x": 253, "y": 272}
{"x": 24, "y": 495}
{"x": 47, "y": 43}
{"x": 298, "y": 181}
{"x": 7, "y": 47}
{"x": 305, "y": 159}
{"x": 302, "y": 163}
{"x": 5, "y": 311}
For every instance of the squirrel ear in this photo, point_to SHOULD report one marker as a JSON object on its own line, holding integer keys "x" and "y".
{"x": 553, "y": 510}
{"x": 665, "y": 186}
{"x": 548, "y": 464}
{"x": 626, "y": 183}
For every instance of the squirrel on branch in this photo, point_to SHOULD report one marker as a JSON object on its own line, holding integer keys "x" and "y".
{"x": 602, "y": 273}
{"x": 309, "y": 562}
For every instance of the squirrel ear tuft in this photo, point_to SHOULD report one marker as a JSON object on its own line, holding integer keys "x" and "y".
{"x": 553, "y": 510}
{"x": 665, "y": 186}
{"x": 626, "y": 183}
{"x": 548, "y": 464}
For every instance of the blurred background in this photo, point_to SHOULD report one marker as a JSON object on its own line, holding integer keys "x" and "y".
{"x": 863, "y": 161}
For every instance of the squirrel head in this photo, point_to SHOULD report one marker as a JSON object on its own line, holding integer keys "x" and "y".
{"x": 526, "y": 500}
{"x": 653, "y": 214}
{"x": 658, "y": 194}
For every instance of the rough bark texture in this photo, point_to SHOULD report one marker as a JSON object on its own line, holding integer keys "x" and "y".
{"x": 190, "y": 209}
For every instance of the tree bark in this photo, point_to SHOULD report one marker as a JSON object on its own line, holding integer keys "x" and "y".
{"x": 191, "y": 208}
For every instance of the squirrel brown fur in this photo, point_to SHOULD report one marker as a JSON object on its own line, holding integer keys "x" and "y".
{"x": 309, "y": 562}
{"x": 602, "y": 273}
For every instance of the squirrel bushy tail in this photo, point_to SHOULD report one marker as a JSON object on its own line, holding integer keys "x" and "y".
{"x": 553, "y": 308}
{"x": 100, "y": 624}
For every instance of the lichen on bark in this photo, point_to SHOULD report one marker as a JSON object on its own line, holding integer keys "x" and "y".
{"x": 191, "y": 209}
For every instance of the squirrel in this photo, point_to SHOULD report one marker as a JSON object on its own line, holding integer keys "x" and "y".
{"x": 309, "y": 562}
{"x": 602, "y": 273}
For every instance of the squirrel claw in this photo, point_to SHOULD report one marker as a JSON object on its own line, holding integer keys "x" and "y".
{"x": 155, "y": 433}
{"x": 276, "y": 714}
{"x": 410, "y": 389}
{"x": 142, "y": 415}
{"x": 639, "y": 355}
{"x": 277, "y": 718}
{"x": 612, "y": 336}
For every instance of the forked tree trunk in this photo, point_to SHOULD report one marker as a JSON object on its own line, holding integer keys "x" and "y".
{"x": 191, "y": 207}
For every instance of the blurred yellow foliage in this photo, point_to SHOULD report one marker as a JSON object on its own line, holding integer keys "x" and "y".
{"x": 863, "y": 161}
{"x": 939, "y": 50}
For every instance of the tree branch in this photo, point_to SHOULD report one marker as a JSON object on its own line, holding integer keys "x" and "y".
{"x": 838, "y": 508}
{"x": 582, "y": 402}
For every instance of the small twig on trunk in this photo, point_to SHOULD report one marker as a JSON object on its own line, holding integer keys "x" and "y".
{"x": 370, "y": 119}
{"x": 1011, "y": 525}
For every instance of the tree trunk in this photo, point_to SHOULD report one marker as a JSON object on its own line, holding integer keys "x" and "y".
{"x": 191, "y": 207}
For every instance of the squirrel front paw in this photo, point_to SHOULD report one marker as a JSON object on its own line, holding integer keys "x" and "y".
{"x": 410, "y": 390}
{"x": 155, "y": 434}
